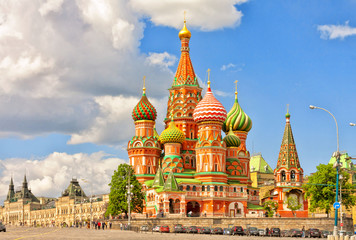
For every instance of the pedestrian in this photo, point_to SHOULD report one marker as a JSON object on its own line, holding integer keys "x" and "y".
{"x": 121, "y": 226}
{"x": 303, "y": 230}
{"x": 110, "y": 224}
{"x": 103, "y": 225}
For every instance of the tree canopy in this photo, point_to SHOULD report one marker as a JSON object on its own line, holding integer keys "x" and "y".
{"x": 271, "y": 207}
{"x": 320, "y": 189}
{"x": 118, "y": 192}
{"x": 293, "y": 203}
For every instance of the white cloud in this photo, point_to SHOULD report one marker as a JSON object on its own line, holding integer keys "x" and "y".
{"x": 50, "y": 6}
{"x": 207, "y": 15}
{"x": 114, "y": 122}
{"x": 161, "y": 59}
{"x": 51, "y": 175}
{"x": 336, "y": 31}
{"x": 60, "y": 61}
{"x": 232, "y": 67}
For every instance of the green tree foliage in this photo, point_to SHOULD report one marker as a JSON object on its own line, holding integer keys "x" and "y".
{"x": 271, "y": 207}
{"x": 293, "y": 203}
{"x": 320, "y": 189}
{"x": 118, "y": 192}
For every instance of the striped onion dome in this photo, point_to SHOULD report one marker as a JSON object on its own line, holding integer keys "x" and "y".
{"x": 209, "y": 109}
{"x": 144, "y": 110}
{"x": 237, "y": 118}
{"x": 172, "y": 134}
{"x": 231, "y": 139}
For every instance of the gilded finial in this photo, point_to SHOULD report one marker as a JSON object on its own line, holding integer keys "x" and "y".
{"x": 208, "y": 78}
{"x": 287, "y": 115}
{"x": 144, "y": 83}
{"x": 184, "y": 33}
{"x": 236, "y": 89}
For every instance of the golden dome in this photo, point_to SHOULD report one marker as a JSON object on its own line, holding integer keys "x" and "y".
{"x": 184, "y": 33}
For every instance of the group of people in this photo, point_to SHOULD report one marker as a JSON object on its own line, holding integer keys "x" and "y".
{"x": 101, "y": 225}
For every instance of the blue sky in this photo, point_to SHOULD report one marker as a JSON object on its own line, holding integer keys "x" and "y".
{"x": 71, "y": 73}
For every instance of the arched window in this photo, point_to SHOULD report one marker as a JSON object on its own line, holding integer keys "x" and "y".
{"x": 234, "y": 189}
{"x": 216, "y": 188}
{"x": 181, "y": 188}
{"x": 188, "y": 188}
{"x": 203, "y": 188}
{"x": 221, "y": 188}
{"x": 247, "y": 191}
{"x": 241, "y": 189}
{"x": 194, "y": 188}
{"x": 292, "y": 174}
{"x": 283, "y": 175}
{"x": 208, "y": 188}
{"x": 193, "y": 162}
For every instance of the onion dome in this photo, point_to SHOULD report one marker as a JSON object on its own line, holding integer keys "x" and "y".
{"x": 209, "y": 109}
{"x": 231, "y": 139}
{"x": 172, "y": 134}
{"x": 237, "y": 118}
{"x": 144, "y": 110}
{"x": 184, "y": 33}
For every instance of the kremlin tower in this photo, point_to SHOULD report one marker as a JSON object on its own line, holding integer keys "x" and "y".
{"x": 190, "y": 167}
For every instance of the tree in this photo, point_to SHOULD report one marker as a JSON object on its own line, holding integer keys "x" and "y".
{"x": 271, "y": 207}
{"x": 293, "y": 203}
{"x": 320, "y": 190}
{"x": 118, "y": 192}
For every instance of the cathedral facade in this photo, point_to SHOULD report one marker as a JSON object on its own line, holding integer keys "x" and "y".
{"x": 190, "y": 169}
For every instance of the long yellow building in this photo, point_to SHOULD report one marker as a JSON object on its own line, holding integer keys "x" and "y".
{"x": 22, "y": 208}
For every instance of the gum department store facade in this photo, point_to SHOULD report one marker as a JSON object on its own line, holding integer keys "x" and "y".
{"x": 22, "y": 207}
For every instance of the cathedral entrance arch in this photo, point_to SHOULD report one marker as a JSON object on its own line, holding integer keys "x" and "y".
{"x": 193, "y": 209}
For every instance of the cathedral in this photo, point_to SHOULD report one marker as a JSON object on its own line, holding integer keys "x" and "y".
{"x": 190, "y": 169}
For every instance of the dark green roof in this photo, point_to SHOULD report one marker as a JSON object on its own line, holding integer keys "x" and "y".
{"x": 171, "y": 183}
{"x": 74, "y": 190}
{"x": 159, "y": 179}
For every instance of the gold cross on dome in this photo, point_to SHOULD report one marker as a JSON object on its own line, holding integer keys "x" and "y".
{"x": 208, "y": 77}
{"x": 288, "y": 108}
{"x": 144, "y": 83}
{"x": 185, "y": 15}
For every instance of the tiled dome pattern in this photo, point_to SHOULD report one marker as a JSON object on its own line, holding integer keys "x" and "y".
{"x": 172, "y": 134}
{"x": 144, "y": 110}
{"x": 232, "y": 140}
{"x": 238, "y": 119}
{"x": 209, "y": 109}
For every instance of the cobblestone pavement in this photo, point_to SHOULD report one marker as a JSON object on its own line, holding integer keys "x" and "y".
{"x": 81, "y": 233}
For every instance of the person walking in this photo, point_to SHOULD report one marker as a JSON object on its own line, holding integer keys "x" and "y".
{"x": 267, "y": 231}
{"x": 99, "y": 225}
{"x": 303, "y": 230}
{"x": 110, "y": 224}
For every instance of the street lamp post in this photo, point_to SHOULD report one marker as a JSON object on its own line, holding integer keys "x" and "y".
{"x": 337, "y": 156}
{"x": 129, "y": 195}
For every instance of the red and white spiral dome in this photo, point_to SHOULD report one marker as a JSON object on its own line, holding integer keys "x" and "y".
{"x": 209, "y": 109}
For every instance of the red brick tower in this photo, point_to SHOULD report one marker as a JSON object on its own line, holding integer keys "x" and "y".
{"x": 184, "y": 95}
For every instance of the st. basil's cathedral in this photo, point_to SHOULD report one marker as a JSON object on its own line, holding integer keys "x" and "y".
{"x": 190, "y": 169}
